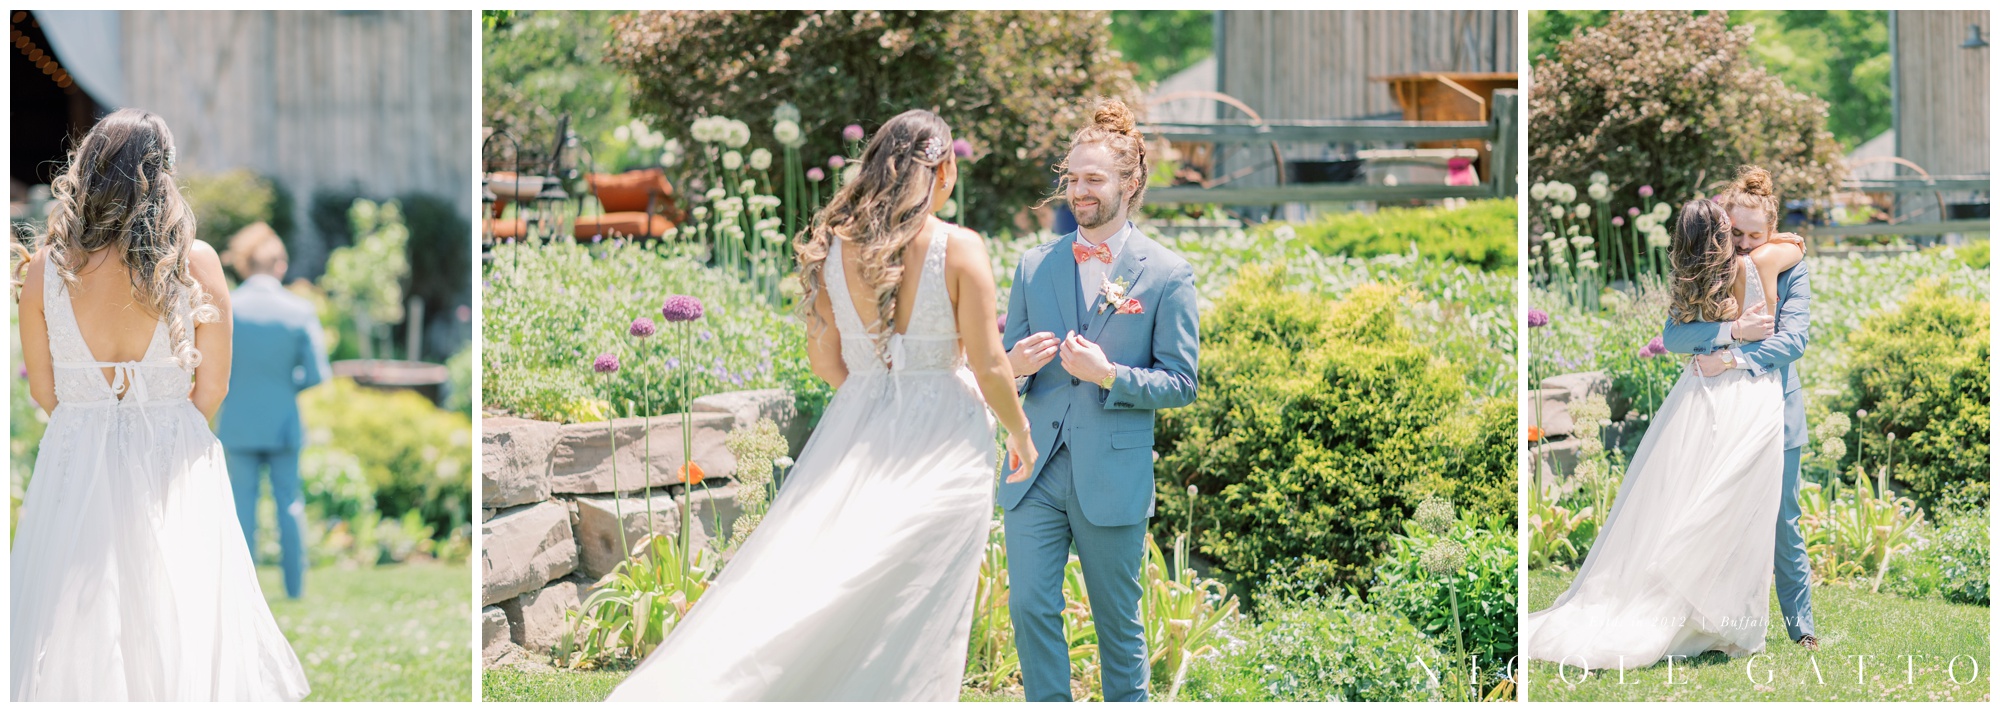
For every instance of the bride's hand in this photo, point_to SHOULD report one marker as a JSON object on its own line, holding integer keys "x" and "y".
{"x": 1021, "y": 456}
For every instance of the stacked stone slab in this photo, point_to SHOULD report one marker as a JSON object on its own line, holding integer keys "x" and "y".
{"x": 561, "y": 502}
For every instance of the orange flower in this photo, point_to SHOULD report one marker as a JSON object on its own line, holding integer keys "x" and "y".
{"x": 691, "y": 473}
{"x": 1534, "y": 434}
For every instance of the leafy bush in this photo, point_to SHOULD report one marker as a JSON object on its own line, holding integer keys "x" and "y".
{"x": 1010, "y": 82}
{"x": 438, "y": 253}
{"x": 1334, "y": 649}
{"x": 1921, "y": 372}
{"x": 1950, "y": 560}
{"x": 412, "y": 455}
{"x": 1486, "y": 589}
{"x": 550, "y": 310}
{"x": 543, "y": 64}
{"x": 232, "y": 200}
{"x": 1674, "y": 101}
{"x": 1853, "y": 532}
{"x": 1480, "y": 234}
{"x": 1318, "y": 426}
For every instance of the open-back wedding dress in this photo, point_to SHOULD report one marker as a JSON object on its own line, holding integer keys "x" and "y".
{"x": 1683, "y": 564}
{"x": 131, "y": 578}
{"x": 859, "y": 582}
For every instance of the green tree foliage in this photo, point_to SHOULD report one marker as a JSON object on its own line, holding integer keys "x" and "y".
{"x": 1160, "y": 43}
{"x": 1015, "y": 84}
{"x": 542, "y": 65}
{"x": 1840, "y": 56}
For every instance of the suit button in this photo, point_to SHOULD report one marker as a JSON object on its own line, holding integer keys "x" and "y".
{"x": 1056, "y": 424}
{"x": 1074, "y": 381}
{"x": 1085, "y": 327}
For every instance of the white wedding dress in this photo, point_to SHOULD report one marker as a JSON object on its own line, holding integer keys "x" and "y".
{"x": 130, "y": 576}
{"x": 1683, "y": 564}
{"x": 859, "y": 582}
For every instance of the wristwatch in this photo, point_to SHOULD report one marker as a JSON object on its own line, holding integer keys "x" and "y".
{"x": 1108, "y": 380}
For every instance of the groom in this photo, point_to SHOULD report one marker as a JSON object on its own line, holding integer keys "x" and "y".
{"x": 1118, "y": 310}
{"x": 1720, "y": 346}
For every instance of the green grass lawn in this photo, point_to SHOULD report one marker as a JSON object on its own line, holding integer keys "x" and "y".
{"x": 553, "y": 685}
{"x": 1850, "y": 622}
{"x": 390, "y": 633}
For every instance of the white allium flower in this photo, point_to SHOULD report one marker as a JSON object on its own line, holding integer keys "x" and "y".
{"x": 738, "y": 134}
{"x": 715, "y": 194}
{"x": 1556, "y": 211}
{"x": 1582, "y": 211}
{"x": 622, "y": 133}
{"x": 1662, "y": 210}
{"x": 760, "y": 159}
{"x": 670, "y": 159}
{"x": 950, "y": 209}
{"x": 1539, "y": 191}
{"x": 1599, "y": 178}
{"x": 1548, "y": 236}
{"x": 1585, "y": 241}
{"x": 851, "y": 172}
{"x": 788, "y": 134}
{"x": 1658, "y": 238}
{"x": 732, "y": 160}
{"x": 749, "y": 185}
{"x": 1559, "y": 244}
{"x": 1599, "y": 191}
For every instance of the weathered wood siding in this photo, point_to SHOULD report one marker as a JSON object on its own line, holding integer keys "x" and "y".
{"x": 1942, "y": 99}
{"x": 379, "y": 102}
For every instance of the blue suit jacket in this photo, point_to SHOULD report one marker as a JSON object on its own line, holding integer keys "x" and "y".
{"x": 1109, "y": 432}
{"x": 1777, "y": 352}
{"x": 279, "y": 351}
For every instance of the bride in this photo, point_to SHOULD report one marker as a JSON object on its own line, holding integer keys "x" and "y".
{"x": 859, "y": 582}
{"x": 1684, "y": 562}
{"x": 130, "y": 577}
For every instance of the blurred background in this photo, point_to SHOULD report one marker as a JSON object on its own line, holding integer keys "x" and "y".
{"x": 348, "y": 133}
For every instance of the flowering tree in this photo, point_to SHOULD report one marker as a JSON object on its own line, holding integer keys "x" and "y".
{"x": 1671, "y": 101}
{"x": 1013, "y": 84}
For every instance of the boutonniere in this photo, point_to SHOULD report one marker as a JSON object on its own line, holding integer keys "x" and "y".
{"x": 1115, "y": 296}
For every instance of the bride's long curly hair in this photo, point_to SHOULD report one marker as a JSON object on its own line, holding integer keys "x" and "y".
{"x": 879, "y": 212}
{"x": 1704, "y": 261}
{"x": 118, "y": 192}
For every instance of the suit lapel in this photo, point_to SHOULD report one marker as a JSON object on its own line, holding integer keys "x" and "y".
{"x": 1126, "y": 269}
{"x": 1066, "y": 281}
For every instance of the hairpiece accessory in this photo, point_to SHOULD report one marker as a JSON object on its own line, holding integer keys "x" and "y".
{"x": 934, "y": 148}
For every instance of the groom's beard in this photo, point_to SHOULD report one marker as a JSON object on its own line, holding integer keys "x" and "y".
{"x": 1098, "y": 215}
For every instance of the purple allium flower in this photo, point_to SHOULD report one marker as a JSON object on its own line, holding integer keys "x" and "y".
{"x": 1634, "y": 212}
{"x": 1537, "y": 318}
{"x": 1645, "y": 191}
{"x": 1618, "y": 221}
{"x": 1653, "y": 348}
{"x": 852, "y": 132}
{"x": 815, "y": 175}
{"x": 681, "y": 308}
{"x": 642, "y": 327}
{"x": 464, "y": 313}
{"x": 961, "y": 148}
{"x": 607, "y": 363}
{"x": 835, "y": 162}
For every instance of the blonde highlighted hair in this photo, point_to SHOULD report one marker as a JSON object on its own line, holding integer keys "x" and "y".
{"x": 118, "y": 192}
{"x": 1704, "y": 265}
{"x": 1752, "y": 189}
{"x": 879, "y": 212}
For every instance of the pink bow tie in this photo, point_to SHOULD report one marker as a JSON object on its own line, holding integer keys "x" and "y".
{"x": 1085, "y": 252}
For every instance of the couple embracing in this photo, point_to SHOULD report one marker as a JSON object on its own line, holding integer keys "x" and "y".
{"x": 1708, "y": 510}
{"x": 859, "y": 582}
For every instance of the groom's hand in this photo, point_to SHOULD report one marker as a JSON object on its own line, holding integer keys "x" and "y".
{"x": 1085, "y": 360}
{"x": 1033, "y": 352}
{"x": 1754, "y": 325}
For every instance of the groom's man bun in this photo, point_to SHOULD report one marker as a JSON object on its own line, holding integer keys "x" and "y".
{"x": 1114, "y": 126}
{"x": 1753, "y": 189}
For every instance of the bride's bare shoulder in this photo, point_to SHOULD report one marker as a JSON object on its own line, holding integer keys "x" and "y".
{"x": 965, "y": 249}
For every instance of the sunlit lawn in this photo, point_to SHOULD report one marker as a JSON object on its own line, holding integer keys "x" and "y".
{"x": 389, "y": 633}
{"x": 1851, "y": 623}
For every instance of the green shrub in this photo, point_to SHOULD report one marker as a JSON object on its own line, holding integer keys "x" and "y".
{"x": 550, "y": 310}
{"x": 1014, "y": 83}
{"x": 439, "y": 253}
{"x": 232, "y": 200}
{"x": 1920, "y": 371}
{"x": 1950, "y": 560}
{"x": 1481, "y": 233}
{"x": 1328, "y": 650}
{"x": 1317, "y": 428}
{"x": 1486, "y": 589}
{"x": 413, "y": 455}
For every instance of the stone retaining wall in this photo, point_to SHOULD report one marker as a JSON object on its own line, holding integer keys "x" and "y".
{"x": 555, "y": 498}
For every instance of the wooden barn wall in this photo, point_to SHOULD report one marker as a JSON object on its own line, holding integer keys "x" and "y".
{"x": 1942, "y": 95}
